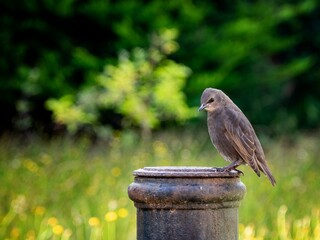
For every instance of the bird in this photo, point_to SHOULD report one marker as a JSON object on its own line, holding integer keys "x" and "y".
{"x": 232, "y": 134}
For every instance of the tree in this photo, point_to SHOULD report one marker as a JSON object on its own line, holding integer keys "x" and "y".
{"x": 145, "y": 87}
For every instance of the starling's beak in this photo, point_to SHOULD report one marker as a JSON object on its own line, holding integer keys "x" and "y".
{"x": 203, "y": 106}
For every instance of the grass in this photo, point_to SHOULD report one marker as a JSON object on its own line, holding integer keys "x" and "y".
{"x": 76, "y": 189}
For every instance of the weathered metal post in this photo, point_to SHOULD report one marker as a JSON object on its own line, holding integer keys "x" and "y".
{"x": 186, "y": 203}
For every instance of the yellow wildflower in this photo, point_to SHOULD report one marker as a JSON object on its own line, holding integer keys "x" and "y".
{"x": 52, "y": 221}
{"x": 111, "y": 216}
{"x": 57, "y": 230}
{"x": 122, "y": 212}
{"x": 15, "y": 232}
{"x": 316, "y": 231}
{"x": 94, "y": 221}
{"x": 31, "y": 235}
{"x": 30, "y": 165}
{"x": 39, "y": 210}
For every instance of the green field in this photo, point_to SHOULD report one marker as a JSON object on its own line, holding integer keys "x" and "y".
{"x": 76, "y": 189}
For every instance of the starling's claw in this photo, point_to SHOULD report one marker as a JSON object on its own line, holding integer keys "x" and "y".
{"x": 226, "y": 169}
{"x": 240, "y": 172}
{"x": 230, "y": 169}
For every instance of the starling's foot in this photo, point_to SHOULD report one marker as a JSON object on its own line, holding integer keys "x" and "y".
{"x": 240, "y": 172}
{"x": 228, "y": 169}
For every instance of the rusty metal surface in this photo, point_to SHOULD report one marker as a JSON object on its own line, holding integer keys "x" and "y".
{"x": 186, "y": 203}
{"x": 187, "y": 225}
{"x": 185, "y": 188}
{"x": 204, "y": 172}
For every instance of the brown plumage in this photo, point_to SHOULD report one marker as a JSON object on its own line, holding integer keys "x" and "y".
{"x": 232, "y": 134}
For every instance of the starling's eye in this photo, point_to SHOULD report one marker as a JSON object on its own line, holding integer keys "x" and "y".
{"x": 211, "y": 100}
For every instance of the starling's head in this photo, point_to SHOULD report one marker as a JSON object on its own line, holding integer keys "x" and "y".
{"x": 212, "y": 99}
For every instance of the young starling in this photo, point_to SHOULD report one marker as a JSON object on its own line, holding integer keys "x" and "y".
{"x": 232, "y": 134}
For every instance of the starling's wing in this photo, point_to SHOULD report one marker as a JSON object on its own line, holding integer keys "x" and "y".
{"x": 241, "y": 135}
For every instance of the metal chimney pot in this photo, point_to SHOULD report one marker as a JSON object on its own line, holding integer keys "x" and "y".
{"x": 186, "y": 203}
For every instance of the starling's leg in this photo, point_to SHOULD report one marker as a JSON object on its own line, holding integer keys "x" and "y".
{"x": 232, "y": 166}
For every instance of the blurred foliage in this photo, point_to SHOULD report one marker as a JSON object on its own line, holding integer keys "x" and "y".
{"x": 260, "y": 57}
{"x": 264, "y": 54}
{"x": 145, "y": 87}
{"x": 65, "y": 112}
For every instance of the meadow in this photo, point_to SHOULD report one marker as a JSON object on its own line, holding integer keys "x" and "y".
{"x": 66, "y": 188}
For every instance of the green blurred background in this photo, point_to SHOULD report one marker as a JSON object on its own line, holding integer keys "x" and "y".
{"x": 264, "y": 54}
{"x": 92, "y": 90}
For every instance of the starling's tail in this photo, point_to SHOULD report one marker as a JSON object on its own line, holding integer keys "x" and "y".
{"x": 264, "y": 168}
